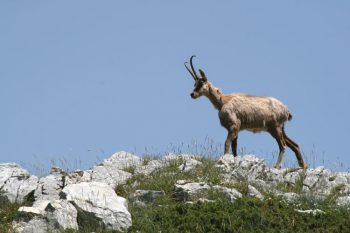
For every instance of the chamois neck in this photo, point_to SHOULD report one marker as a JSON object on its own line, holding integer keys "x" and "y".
{"x": 215, "y": 96}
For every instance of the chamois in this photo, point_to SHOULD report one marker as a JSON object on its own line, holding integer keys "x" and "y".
{"x": 245, "y": 112}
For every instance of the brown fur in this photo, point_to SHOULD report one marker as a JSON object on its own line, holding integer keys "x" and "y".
{"x": 253, "y": 113}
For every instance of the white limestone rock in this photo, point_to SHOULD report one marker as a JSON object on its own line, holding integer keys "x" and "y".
{"x": 31, "y": 219}
{"x": 185, "y": 191}
{"x": 345, "y": 190}
{"x": 230, "y": 193}
{"x": 149, "y": 168}
{"x": 272, "y": 176}
{"x": 312, "y": 212}
{"x": 123, "y": 161}
{"x": 253, "y": 192}
{"x": 314, "y": 176}
{"x": 99, "y": 200}
{"x": 109, "y": 175}
{"x": 16, "y": 184}
{"x": 345, "y": 176}
{"x": 77, "y": 176}
{"x": 319, "y": 182}
{"x": 343, "y": 201}
{"x": 261, "y": 185}
{"x": 114, "y": 170}
{"x": 201, "y": 201}
{"x": 36, "y": 224}
{"x": 189, "y": 165}
{"x": 225, "y": 164}
{"x": 293, "y": 177}
{"x": 290, "y": 197}
{"x": 50, "y": 216}
{"x": 37, "y": 209}
{"x": 61, "y": 215}
{"x": 50, "y": 186}
{"x": 247, "y": 167}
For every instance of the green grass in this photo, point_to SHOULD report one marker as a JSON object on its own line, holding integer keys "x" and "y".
{"x": 167, "y": 214}
{"x": 245, "y": 215}
{"x": 7, "y": 214}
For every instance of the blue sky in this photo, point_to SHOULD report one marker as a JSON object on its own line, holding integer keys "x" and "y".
{"x": 80, "y": 80}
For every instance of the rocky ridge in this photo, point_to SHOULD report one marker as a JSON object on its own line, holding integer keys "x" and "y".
{"x": 59, "y": 198}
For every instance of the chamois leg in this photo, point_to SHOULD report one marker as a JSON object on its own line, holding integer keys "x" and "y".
{"x": 234, "y": 146}
{"x": 278, "y": 135}
{"x": 296, "y": 149}
{"x": 231, "y": 136}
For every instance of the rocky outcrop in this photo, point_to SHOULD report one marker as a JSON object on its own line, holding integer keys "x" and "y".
{"x": 230, "y": 193}
{"x": 316, "y": 183}
{"x": 101, "y": 202}
{"x": 61, "y": 214}
{"x": 114, "y": 170}
{"x": 61, "y": 198}
{"x": 186, "y": 191}
{"x": 16, "y": 184}
{"x": 50, "y": 186}
{"x": 46, "y": 216}
{"x": 96, "y": 200}
{"x": 189, "y": 165}
{"x": 191, "y": 191}
{"x": 253, "y": 192}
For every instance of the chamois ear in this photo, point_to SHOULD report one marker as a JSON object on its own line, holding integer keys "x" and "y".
{"x": 203, "y": 75}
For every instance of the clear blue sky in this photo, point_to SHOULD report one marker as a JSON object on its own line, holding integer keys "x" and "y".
{"x": 83, "y": 79}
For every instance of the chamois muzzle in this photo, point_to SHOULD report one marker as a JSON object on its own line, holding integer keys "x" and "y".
{"x": 194, "y": 95}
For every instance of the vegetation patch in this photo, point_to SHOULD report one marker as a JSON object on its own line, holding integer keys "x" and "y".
{"x": 245, "y": 215}
{"x": 215, "y": 213}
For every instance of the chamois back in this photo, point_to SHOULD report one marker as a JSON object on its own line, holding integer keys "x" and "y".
{"x": 255, "y": 113}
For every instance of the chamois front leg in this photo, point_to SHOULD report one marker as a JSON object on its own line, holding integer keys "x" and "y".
{"x": 234, "y": 146}
{"x": 231, "y": 139}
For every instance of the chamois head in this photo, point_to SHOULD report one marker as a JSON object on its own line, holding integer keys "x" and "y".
{"x": 201, "y": 82}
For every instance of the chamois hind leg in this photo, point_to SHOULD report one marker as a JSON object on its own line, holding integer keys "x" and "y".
{"x": 277, "y": 133}
{"x": 231, "y": 137}
{"x": 234, "y": 146}
{"x": 296, "y": 149}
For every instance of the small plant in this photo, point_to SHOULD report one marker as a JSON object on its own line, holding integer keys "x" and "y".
{"x": 335, "y": 193}
{"x": 242, "y": 187}
{"x": 130, "y": 169}
{"x": 8, "y": 212}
